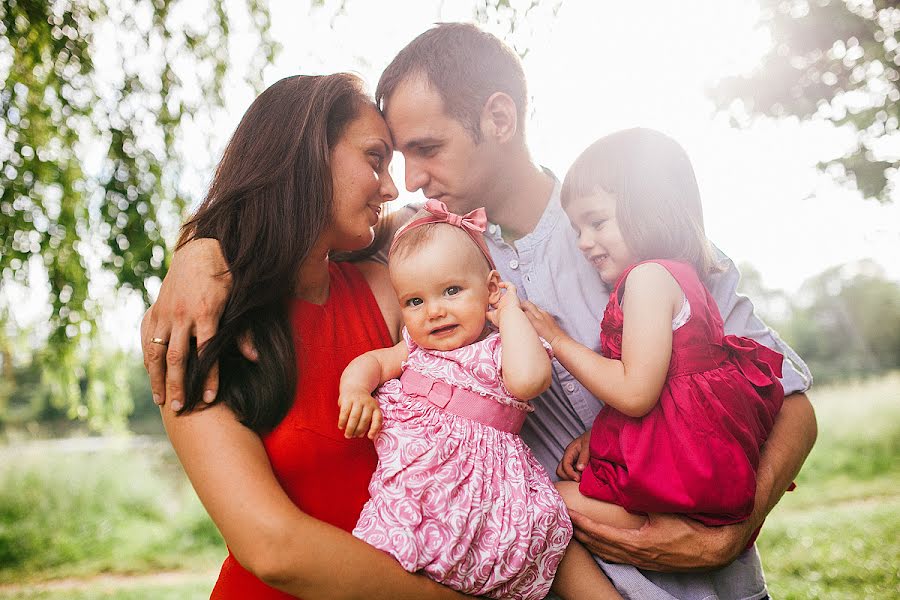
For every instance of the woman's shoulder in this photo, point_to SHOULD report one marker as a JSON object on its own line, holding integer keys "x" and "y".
{"x": 376, "y": 276}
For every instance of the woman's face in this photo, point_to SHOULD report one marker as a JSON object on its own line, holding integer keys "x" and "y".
{"x": 361, "y": 181}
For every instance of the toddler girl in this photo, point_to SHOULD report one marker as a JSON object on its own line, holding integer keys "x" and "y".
{"x": 457, "y": 494}
{"x": 687, "y": 407}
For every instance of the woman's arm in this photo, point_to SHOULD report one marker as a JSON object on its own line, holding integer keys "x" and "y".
{"x": 266, "y": 532}
{"x": 526, "y": 368}
{"x": 631, "y": 385}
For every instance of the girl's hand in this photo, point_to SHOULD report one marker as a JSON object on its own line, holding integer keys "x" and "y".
{"x": 508, "y": 301}
{"x": 575, "y": 458}
{"x": 544, "y": 323}
{"x": 359, "y": 414}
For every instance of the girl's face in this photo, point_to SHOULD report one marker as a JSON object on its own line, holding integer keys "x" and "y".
{"x": 361, "y": 181}
{"x": 599, "y": 236}
{"x": 445, "y": 289}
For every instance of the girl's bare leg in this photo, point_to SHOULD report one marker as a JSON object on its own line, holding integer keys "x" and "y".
{"x": 578, "y": 577}
{"x": 597, "y": 510}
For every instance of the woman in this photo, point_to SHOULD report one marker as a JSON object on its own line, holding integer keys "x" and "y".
{"x": 304, "y": 175}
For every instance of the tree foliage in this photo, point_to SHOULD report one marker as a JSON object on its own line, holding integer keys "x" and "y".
{"x": 125, "y": 77}
{"x": 79, "y": 218}
{"x": 844, "y": 322}
{"x": 835, "y": 60}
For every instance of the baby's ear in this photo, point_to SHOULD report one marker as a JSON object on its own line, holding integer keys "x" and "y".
{"x": 494, "y": 291}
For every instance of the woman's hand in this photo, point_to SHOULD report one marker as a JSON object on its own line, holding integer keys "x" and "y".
{"x": 359, "y": 414}
{"x": 544, "y": 323}
{"x": 575, "y": 458}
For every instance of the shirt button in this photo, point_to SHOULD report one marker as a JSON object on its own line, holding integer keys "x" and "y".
{"x": 513, "y": 264}
{"x": 492, "y": 228}
{"x": 570, "y": 387}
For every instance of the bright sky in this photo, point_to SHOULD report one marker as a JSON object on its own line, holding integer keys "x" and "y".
{"x": 602, "y": 66}
{"x": 595, "y": 68}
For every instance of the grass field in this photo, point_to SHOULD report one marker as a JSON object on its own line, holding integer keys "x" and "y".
{"x": 123, "y": 523}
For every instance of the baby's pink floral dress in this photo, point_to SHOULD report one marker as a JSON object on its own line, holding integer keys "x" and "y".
{"x": 455, "y": 498}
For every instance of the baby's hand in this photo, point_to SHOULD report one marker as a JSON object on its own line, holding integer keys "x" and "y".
{"x": 543, "y": 322}
{"x": 575, "y": 458}
{"x": 359, "y": 413}
{"x": 508, "y": 301}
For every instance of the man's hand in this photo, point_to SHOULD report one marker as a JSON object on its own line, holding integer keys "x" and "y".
{"x": 575, "y": 458}
{"x": 544, "y": 323}
{"x": 359, "y": 414}
{"x": 190, "y": 304}
{"x": 665, "y": 543}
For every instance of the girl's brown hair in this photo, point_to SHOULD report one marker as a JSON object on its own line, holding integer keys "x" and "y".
{"x": 658, "y": 206}
{"x": 269, "y": 201}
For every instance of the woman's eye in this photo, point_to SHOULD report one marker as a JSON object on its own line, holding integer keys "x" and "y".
{"x": 414, "y": 302}
{"x": 377, "y": 160}
{"x": 453, "y": 290}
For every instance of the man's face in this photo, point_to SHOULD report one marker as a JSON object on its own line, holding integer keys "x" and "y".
{"x": 441, "y": 157}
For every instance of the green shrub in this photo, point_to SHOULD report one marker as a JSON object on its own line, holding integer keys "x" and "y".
{"x": 100, "y": 511}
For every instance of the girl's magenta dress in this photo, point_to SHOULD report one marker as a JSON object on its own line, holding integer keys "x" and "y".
{"x": 696, "y": 452}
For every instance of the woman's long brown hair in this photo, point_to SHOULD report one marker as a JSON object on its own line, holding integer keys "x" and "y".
{"x": 269, "y": 200}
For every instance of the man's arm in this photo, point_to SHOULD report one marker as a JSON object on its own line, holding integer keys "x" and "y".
{"x": 675, "y": 543}
{"x": 191, "y": 301}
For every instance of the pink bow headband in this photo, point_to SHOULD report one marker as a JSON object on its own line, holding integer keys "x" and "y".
{"x": 473, "y": 223}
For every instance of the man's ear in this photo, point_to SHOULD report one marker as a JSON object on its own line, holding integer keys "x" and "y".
{"x": 499, "y": 117}
{"x": 494, "y": 291}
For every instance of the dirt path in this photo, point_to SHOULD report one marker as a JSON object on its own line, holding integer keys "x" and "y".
{"x": 112, "y": 582}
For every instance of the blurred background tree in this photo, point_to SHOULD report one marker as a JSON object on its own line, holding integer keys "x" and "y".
{"x": 844, "y": 322}
{"x": 98, "y": 98}
{"x": 835, "y": 60}
{"x": 77, "y": 219}
{"x": 128, "y": 78}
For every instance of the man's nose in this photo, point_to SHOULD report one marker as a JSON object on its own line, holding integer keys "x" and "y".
{"x": 416, "y": 176}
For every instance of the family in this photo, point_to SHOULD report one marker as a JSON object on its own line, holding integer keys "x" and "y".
{"x": 526, "y": 388}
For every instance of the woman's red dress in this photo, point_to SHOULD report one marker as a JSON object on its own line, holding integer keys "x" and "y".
{"x": 326, "y": 475}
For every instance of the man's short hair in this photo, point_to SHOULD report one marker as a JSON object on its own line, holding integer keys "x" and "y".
{"x": 465, "y": 65}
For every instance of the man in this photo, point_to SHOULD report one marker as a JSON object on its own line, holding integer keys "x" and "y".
{"x": 455, "y": 101}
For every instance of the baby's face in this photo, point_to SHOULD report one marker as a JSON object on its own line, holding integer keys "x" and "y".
{"x": 445, "y": 290}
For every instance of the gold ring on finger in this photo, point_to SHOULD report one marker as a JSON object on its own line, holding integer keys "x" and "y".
{"x": 159, "y": 340}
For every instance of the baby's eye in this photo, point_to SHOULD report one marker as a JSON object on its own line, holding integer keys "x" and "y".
{"x": 453, "y": 290}
{"x": 414, "y": 302}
